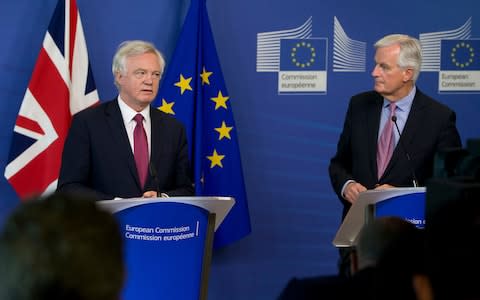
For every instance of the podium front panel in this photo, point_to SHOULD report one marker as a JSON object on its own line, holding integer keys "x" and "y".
{"x": 164, "y": 248}
{"x": 410, "y": 207}
{"x": 408, "y": 203}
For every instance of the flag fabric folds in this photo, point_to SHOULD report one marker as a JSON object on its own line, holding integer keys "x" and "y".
{"x": 194, "y": 91}
{"x": 61, "y": 85}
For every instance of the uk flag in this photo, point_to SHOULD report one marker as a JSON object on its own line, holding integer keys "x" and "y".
{"x": 61, "y": 85}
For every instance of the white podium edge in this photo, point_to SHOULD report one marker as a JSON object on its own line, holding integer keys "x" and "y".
{"x": 220, "y": 206}
{"x": 355, "y": 218}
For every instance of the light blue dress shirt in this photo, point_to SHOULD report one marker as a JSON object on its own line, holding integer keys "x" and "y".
{"x": 403, "y": 109}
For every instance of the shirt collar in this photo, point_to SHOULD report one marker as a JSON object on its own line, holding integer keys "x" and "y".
{"x": 128, "y": 113}
{"x": 405, "y": 103}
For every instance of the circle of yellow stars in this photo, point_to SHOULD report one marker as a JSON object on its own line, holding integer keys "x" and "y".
{"x": 309, "y": 61}
{"x": 469, "y": 60}
{"x": 220, "y": 102}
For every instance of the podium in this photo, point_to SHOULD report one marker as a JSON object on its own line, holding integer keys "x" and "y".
{"x": 406, "y": 203}
{"x": 168, "y": 244}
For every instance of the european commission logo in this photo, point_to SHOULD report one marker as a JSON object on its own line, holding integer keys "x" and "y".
{"x": 303, "y": 54}
{"x": 460, "y": 55}
{"x": 300, "y": 60}
{"x": 460, "y": 66}
{"x": 303, "y": 66}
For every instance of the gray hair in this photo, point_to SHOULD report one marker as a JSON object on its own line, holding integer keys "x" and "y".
{"x": 132, "y": 48}
{"x": 410, "y": 51}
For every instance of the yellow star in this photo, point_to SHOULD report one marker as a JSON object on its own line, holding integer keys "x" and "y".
{"x": 167, "y": 107}
{"x": 205, "y": 76}
{"x": 216, "y": 159}
{"x": 224, "y": 131}
{"x": 220, "y": 100}
{"x": 184, "y": 84}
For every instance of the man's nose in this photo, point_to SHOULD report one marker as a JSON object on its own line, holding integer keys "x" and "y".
{"x": 375, "y": 71}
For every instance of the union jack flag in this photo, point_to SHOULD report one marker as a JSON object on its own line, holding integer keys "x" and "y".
{"x": 61, "y": 85}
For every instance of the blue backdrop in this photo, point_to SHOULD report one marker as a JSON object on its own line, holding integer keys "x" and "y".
{"x": 286, "y": 140}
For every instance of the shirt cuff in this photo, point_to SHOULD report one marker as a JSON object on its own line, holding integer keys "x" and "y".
{"x": 344, "y": 186}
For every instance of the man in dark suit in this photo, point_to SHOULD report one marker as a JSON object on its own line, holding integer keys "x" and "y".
{"x": 425, "y": 127}
{"x": 125, "y": 148}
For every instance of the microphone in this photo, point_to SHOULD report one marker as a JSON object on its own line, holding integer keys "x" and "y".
{"x": 154, "y": 175}
{"x": 410, "y": 165}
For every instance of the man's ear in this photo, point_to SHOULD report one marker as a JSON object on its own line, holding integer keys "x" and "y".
{"x": 118, "y": 76}
{"x": 422, "y": 287}
{"x": 407, "y": 74}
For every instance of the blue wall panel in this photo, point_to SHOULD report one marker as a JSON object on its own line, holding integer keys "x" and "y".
{"x": 286, "y": 141}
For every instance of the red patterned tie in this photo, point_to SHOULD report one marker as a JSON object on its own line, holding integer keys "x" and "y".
{"x": 140, "y": 149}
{"x": 386, "y": 143}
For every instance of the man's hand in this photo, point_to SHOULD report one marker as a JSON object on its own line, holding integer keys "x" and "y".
{"x": 352, "y": 190}
{"x": 383, "y": 187}
{"x": 150, "y": 194}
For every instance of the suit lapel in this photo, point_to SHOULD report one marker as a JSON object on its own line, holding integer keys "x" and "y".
{"x": 414, "y": 120}
{"x": 156, "y": 135}
{"x": 119, "y": 134}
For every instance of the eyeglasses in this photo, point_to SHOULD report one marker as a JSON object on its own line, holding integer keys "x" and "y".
{"x": 142, "y": 74}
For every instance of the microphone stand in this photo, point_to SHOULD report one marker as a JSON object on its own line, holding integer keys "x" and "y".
{"x": 415, "y": 182}
{"x": 154, "y": 175}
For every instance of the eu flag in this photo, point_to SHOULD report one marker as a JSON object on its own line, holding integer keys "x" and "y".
{"x": 460, "y": 55}
{"x": 194, "y": 91}
{"x": 303, "y": 54}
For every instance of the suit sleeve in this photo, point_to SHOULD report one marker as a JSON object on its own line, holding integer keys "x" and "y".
{"x": 76, "y": 162}
{"x": 183, "y": 184}
{"x": 341, "y": 164}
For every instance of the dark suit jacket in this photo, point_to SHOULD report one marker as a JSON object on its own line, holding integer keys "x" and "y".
{"x": 97, "y": 157}
{"x": 430, "y": 127}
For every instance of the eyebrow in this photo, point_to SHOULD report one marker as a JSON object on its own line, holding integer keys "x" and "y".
{"x": 142, "y": 69}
